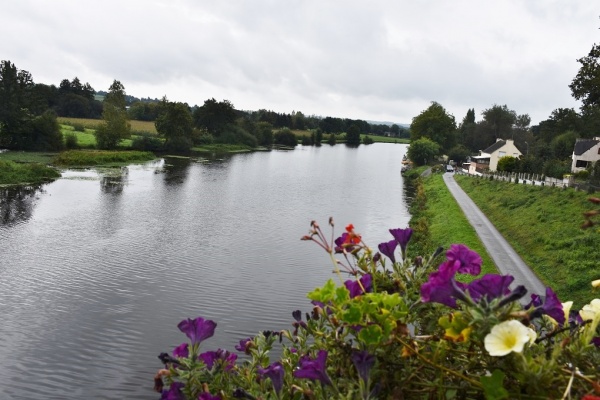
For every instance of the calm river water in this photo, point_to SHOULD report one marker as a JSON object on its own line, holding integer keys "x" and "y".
{"x": 98, "y": 268}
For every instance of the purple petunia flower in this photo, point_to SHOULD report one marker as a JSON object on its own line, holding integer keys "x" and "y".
{"x": 211, "y": 357}
{"x": 596, "y": 341}
{"x": 442, "y": 287}
{"x": 492, "y": 286}
{"x": 388, "y": 248}
{"x": 356, "y": 288}
{"x": 244, "y": 345}
{"x": 197, "y": 329}
{"x": 181, "y": 351}
{"x": 363, "y": 361}
{"x": 551, "y": 306}
{"x": 464, "y": 260}
{"x": 174, "y": 392}
{"x": 402, "y": 236}
{"x": 313, "y": 369}
{"x": 275, "y": 372}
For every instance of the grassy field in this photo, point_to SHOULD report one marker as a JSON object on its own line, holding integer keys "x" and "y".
{"x": 340, "y": 137}
{"x": 439, "y": 221}
{"x": 543, "y": 226}
{"x": 26, "y": 157}
{"x": 136, "y": 126}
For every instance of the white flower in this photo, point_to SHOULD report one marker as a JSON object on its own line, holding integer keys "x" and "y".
{"x": 596, "y": 283}
{"x": 508, "y": 336}
{"x": 589, "y": 311}
{"x": 567, "y": 309}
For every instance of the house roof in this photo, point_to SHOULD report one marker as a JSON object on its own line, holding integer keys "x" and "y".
{"x": 494, "y": 147}
{"x": 583, "y": 145}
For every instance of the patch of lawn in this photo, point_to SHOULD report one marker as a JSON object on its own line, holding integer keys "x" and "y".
{"x": 444, "y": 222}
{"x": 543, "y": 226}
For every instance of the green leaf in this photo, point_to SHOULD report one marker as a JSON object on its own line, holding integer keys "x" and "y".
{"x": 324, "y": 294}
{"x": 342, "y": 295}
{"x": 492, "y": 386}
{"x": 371, "y": 334}
{"x": 352, "y": 315}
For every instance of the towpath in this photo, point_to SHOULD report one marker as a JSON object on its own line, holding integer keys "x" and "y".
{"x": 504, "y": 256}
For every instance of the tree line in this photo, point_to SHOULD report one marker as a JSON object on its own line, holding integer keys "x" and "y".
{"x": 547, "y": 147}
{"x": 28, "y": 113}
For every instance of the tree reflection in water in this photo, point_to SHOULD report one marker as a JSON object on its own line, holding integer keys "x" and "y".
{"x": 17, "y": 203}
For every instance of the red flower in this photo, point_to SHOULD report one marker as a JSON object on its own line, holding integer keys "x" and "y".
{"x": 351, "y": 237}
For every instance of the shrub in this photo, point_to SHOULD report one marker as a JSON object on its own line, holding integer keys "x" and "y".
{"x": 78, "y": 127}
{"x": 71, "y": 141}
{"x": 285, "y": 137}
{"x": 147, "y": 143}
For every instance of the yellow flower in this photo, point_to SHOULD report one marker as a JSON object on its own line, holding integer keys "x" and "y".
{"x": 508, "y": 336}
{"x": 596, "y": 283}
{"x": 589, "y": 311}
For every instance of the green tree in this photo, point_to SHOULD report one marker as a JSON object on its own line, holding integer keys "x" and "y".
{"x": 214, "y": 116}
{"x": 395, "y": 130}
{"x": 563, "y": 145}
{"x": 46, "y": 133}
{"x": 115, "y": 126}
{"x": 15, "y": 86}
{"x": 501, "y": 121}
{"x": 422, "y": 151}
{"x": 318, "y": 137}
{"x": 175, "y": 124}
{"x": 331, "y": 140}
{"x": 458, "y": 154}
{"x": 436, "y": 124}
{"x": 285, "y": 137}
{"x": 353, "y": 136}
{"x": 586, "y": 84}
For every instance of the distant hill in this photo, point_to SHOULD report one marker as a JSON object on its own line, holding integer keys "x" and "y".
{"x": 388, "y": 123}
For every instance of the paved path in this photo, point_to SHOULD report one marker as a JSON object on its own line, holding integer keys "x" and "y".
{"x": 504, "y": 256}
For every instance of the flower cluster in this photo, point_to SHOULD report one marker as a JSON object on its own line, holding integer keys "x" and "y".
{"x": 401, "y": 328}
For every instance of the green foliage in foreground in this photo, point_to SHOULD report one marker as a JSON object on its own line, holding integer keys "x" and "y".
{"x": 12, "y": 173}
{"x": 101, "y": 157}
{"x": 399, "y": 327}
{"x": 437, "y": 220}
{"x": 543, "y": 226}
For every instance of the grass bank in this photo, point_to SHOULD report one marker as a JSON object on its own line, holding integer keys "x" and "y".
{"x": 438, "y": 220}
{"x": 12, "y": 173}
{"x": 101, "y": 157}
{"x": 543, "y": 226}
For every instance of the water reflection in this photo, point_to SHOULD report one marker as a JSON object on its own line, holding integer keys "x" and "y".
{"x": 176, "y": 169}
{"x": 17, "y": 203}
{"x": 114, "y": 181}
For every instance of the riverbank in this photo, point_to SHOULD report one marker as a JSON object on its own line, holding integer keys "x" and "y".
{"x": 437, "y": 219}
{"x": 543, "y": 224}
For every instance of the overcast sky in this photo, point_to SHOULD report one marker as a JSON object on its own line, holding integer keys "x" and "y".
{"x": 373, "y": 60}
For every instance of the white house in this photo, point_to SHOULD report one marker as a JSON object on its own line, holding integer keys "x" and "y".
{"x": 586, "y": 152}
{"x": 487, "y": 160}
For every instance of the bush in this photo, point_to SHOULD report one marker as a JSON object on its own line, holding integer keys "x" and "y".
{"x": 285, "y": 137}
{"x": 582, "y": 175}
{"x": 400, "y": 328}
{"x": 71, "y": 141}
{"x": 147, "y": 143}
{"x": 78, "y": 127}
